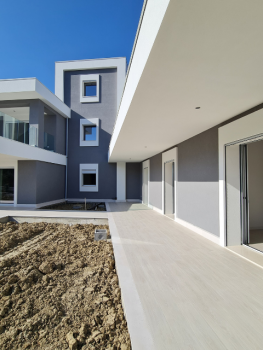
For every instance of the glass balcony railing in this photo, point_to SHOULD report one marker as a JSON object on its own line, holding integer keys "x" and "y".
{"x": 18, "y": 130}
{"x": 14, "y": 129}
{"x": 49, "y": 142}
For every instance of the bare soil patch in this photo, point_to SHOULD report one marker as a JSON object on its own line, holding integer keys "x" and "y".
{"x": 100, "y": 206}
{"x": 61, "y": 292}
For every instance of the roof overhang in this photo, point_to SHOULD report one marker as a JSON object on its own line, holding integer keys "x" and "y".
{"x": 188, "y": 54}
{"x": 31, "y": 88}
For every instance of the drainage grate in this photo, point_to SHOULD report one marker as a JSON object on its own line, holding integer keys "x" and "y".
{"x": 100, "y": 235}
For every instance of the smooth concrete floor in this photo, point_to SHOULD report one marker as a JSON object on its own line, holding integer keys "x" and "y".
{"x": 193, "y": 294}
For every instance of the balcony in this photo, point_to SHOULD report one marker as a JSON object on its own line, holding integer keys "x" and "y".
{"x": 15, "y": 126}
{"x": 14, "y": 129}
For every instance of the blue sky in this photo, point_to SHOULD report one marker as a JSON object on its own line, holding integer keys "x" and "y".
{"x": 34, "y": 34}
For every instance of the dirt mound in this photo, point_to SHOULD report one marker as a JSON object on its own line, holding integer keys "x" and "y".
{"x": 13, "y": 234}
{"x": 62, "y": 294}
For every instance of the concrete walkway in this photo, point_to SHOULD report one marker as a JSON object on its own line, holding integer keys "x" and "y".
{"x": 180, "y": 290}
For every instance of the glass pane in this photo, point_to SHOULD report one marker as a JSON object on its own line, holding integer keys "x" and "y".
{"x": 6, "y": 184}
{"x": 1, "y": 125}
{"x": 90, "y": 133}
{"x": 13, "y": 129}
{"x": 89, "y": 179}
{"x": 90, "y": 89}
{"x": 49, "y": 142}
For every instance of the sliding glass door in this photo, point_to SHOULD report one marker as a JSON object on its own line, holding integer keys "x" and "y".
{"x": 6, "y": 185}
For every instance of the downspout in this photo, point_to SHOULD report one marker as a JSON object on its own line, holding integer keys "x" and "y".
{"x": 66, "y": 177}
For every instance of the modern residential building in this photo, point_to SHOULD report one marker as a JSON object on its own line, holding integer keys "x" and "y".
{"x": 55, "y": 147}
{"x": 181, "y": 130}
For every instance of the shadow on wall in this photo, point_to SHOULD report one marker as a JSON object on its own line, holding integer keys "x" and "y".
{"x": 198, "y": 187}
{"x": 155, "y": 186}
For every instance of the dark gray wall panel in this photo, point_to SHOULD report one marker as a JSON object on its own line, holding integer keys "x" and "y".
{"x": 26, "y": 182}
{"x": 40, "y": 182}
{"x": 198, "y": 157}
{"x": 36, "y": 118}
{"x": 50, "y": 182}
{"x": 197, "y": 188}
{"x": 106, "y": 111}
{"x": 60, "y": 140}
{"x": 1, "y": 126}
{"x": 155, "y": 186}
{"x": 133, "y": 181}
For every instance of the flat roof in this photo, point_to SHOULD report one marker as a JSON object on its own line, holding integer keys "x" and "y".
{"x": 32, "y": 88}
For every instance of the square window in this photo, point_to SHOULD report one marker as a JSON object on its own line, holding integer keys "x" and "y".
{"x": 90, "y": 89}
{"x": 90, "y": 132}
{"x": 89, "y": 179}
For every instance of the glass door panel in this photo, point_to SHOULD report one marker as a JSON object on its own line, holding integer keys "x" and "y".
{"x": 6, "y": 185}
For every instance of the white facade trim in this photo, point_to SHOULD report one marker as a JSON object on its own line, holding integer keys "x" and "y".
{"x": 146, "y": 164}
{"x": 121, "y": 182}
{"x": 21, "y": 151}
{"x": 171, "y": 155}
{"x": 87, "y": 122}
{"x": 61, "y": 67}
{"x": 237, "y": 131}
{"x": 92, "y": 168}
{"x": 31, "y": 88}
{"x": 88, "y": 78}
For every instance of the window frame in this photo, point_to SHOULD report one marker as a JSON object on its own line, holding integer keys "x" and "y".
{"x": 88, "y": 122}
{"x": 89, "y": 78}
{"x": 91, "y": 169}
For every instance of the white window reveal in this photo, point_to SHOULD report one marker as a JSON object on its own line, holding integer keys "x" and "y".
{"x": 88, "y": 178}
{"x": 89, "y": 88}
{"x": 89, "y": 132}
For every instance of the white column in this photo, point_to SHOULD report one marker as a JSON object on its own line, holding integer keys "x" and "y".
{"x": 121, "y": 182}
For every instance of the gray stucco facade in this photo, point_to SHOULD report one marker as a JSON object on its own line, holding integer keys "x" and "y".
{"x": 105, "y": 110}
{"x": 40, "y": 182}
{"x": 197, "y": 187}
{"x": 155, "y": 185}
